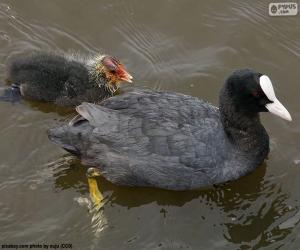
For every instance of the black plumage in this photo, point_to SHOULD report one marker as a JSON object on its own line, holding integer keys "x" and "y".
{"x": 170, "y": 140}
{"x": 65, "y": 80}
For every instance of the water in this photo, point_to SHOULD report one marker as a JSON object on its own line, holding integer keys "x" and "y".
{"x": 183, "y": 46}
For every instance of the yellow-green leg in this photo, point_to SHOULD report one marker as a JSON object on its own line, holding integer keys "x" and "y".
{"x": 99, "y": 221}
{"x": 95, "y": 194}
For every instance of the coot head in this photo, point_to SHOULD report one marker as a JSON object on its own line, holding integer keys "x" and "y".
{"x": 112, "y": 70}
{"x": 250, "y": 93}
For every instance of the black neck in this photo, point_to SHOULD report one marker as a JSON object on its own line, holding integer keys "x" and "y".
{"x": 106, "y": 91}
{"x": 242, "y": 127}
{"x": 99, "y": 80}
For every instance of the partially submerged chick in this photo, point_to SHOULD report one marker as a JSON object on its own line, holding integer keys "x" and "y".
{"x": 65, "y": 80}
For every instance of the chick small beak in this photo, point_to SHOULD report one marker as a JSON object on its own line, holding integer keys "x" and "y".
{"x": 126, "y": 77}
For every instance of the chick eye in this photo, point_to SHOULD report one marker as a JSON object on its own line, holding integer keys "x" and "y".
{"x": 113, "y": 71}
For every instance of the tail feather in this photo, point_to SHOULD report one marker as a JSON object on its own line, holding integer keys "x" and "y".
{"x": 63, "y": 137}
{"x": 98, "y": 115}
{"x": 71, "y": 138}
{"x": 92, "y": 120}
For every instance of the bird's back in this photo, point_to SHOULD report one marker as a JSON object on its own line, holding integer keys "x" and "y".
{"x": 149, "y": 138}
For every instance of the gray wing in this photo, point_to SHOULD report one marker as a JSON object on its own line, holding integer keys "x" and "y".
{"x": 148, "y": 138}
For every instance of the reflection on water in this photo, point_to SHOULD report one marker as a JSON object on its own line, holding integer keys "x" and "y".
{"x": 98, "y": 220}
{"x": 189, "y": 47}
{"x": 252, "y": 209}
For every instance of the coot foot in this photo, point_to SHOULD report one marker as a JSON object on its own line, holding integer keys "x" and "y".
{"x": 95, "y": 194}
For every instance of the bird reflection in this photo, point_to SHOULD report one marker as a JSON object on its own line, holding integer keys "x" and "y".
{"x": 70, "y": 174}
{"x": 253, "y": 206}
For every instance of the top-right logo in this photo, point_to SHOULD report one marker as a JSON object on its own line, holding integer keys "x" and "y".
{"x": 283, "y": 9}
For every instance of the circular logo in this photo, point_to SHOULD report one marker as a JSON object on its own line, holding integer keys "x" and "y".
{"x": 273, "y": 9}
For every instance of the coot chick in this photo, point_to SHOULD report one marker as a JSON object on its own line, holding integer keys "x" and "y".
{"x": 174, "y": 141}
{"x": 66, "y": 80}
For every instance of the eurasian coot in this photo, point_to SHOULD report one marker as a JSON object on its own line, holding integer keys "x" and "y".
{"x": 174, "y": 141}
{"x": 66, "y": 80}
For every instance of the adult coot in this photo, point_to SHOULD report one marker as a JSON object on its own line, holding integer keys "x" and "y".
{"x": 174, "y": 141}
{"x": 66, "y": 80}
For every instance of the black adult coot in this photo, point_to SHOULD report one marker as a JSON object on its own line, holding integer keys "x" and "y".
{"x": 66, "y": 80}
{"x": 174, "y": 141}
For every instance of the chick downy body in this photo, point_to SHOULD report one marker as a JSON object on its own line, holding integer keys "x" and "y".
{"x": 66, "y": 80}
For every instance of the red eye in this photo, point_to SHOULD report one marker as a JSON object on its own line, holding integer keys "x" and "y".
{"x": 255, "y": 93}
